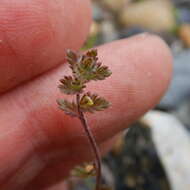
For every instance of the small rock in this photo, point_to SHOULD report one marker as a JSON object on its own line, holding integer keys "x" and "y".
{"x": 108, "y": 176}
{"x": 184, "y": 34}
{"x": 172, "y": 141}
{"x": 98, "y": 13}
{"x": 183, "y": 15}
{"x": 179, "y": 90}
{"x": 115, "y": 5}
{"x": 119, "y": 144}
{"x": 177, "y": 46}
{"x": 138, "y": 165}
{"x": 108, "y": 32}
{"x": 183, "y": 113}
{"x": 155, "y": 15}
{"x": 184, "y": 3}
{"x": 130, "y": 181}
{"x": 94, "y": 29}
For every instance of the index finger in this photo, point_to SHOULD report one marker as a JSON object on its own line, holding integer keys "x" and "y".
{"x": 34, "y": 35}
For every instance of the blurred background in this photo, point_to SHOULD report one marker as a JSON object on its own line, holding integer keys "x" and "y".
{"x": 155, "y": 153}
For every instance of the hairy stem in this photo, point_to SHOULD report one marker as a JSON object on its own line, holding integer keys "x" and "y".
{"x": 92, "y": 143}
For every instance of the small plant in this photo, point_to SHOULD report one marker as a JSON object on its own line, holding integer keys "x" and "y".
{"x": 85, "y": 68}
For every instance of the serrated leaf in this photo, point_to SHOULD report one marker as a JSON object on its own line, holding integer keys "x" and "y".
{"x": 102, "y": 72}
{"x": 70, "y": 108}
{"x": 86, "y": 67}
{"x": 92, "y": 102}
{"x": 93, "y": 53}
{"x": 71, "y": 86}
{"x": 90, "y": 69}
{"x": 71, "y": 57}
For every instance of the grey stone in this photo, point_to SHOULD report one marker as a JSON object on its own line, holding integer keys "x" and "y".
{"x": 98, "y": 13}
{"x": 108, "y": 32}
{"x": 173, "y": 145}
{"x": 184, "y": 15}
{"x": 179, "y": 90}
{"x": 183, "y": 113}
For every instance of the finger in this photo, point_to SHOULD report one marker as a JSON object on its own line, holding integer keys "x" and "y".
{"x": 40, "y": 132}
{"x": 34, "y": 35}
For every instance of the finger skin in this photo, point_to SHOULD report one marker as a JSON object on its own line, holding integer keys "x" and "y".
{"x": 34, "y": 35}
{"x": 44, "y": 136}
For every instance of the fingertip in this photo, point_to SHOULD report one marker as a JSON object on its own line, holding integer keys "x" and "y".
{"x": 158, "y": 57}
{"x": 144, "y": 58}
{"x": 34, "y": 35}
{"x": 142, "y": 71}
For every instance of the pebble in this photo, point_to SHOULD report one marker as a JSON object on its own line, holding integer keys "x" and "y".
{"x": 115, "y": 5}
{"x": 179, "y": 89}
{"x": 183, "y": 113}
{"x": 147, "y": 14}
{"x": 108, "y": 32}
{"x": 172, "y": 142}
{"x": 98, "y": 13}
{"x": 184, "y": 34}
{"x": 183, "y": 14}
{"x": 94, "y": 29}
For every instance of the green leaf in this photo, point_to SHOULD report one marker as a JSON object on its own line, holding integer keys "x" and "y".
{"x": 92, "y": 102}
{"x": 93, "y": 53}
{"x": 86, "y": 67}
{"x": 71, "y": 57}
{"x": 90, "y": 69}
{"x": 70, "y": 108}
{"x": 102, "y": 72}
{"x": 71, "y": 86}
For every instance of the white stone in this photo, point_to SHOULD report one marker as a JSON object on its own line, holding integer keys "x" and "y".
{"x": 155, "y": 15}
{"x": 172, "y": 141}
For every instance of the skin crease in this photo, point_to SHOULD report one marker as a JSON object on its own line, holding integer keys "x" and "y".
{"x": 39, "y": 144}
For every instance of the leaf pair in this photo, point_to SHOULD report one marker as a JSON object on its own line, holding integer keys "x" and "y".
{"x": 88, "y": 103}
{"x": 70, "y": 85}
{"x": 92, "y": 102}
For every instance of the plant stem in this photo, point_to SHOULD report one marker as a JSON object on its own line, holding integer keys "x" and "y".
{"x": 92, "y": 143}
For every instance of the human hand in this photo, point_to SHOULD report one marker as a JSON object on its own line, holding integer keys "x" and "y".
{"x": 39, "y": 144}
